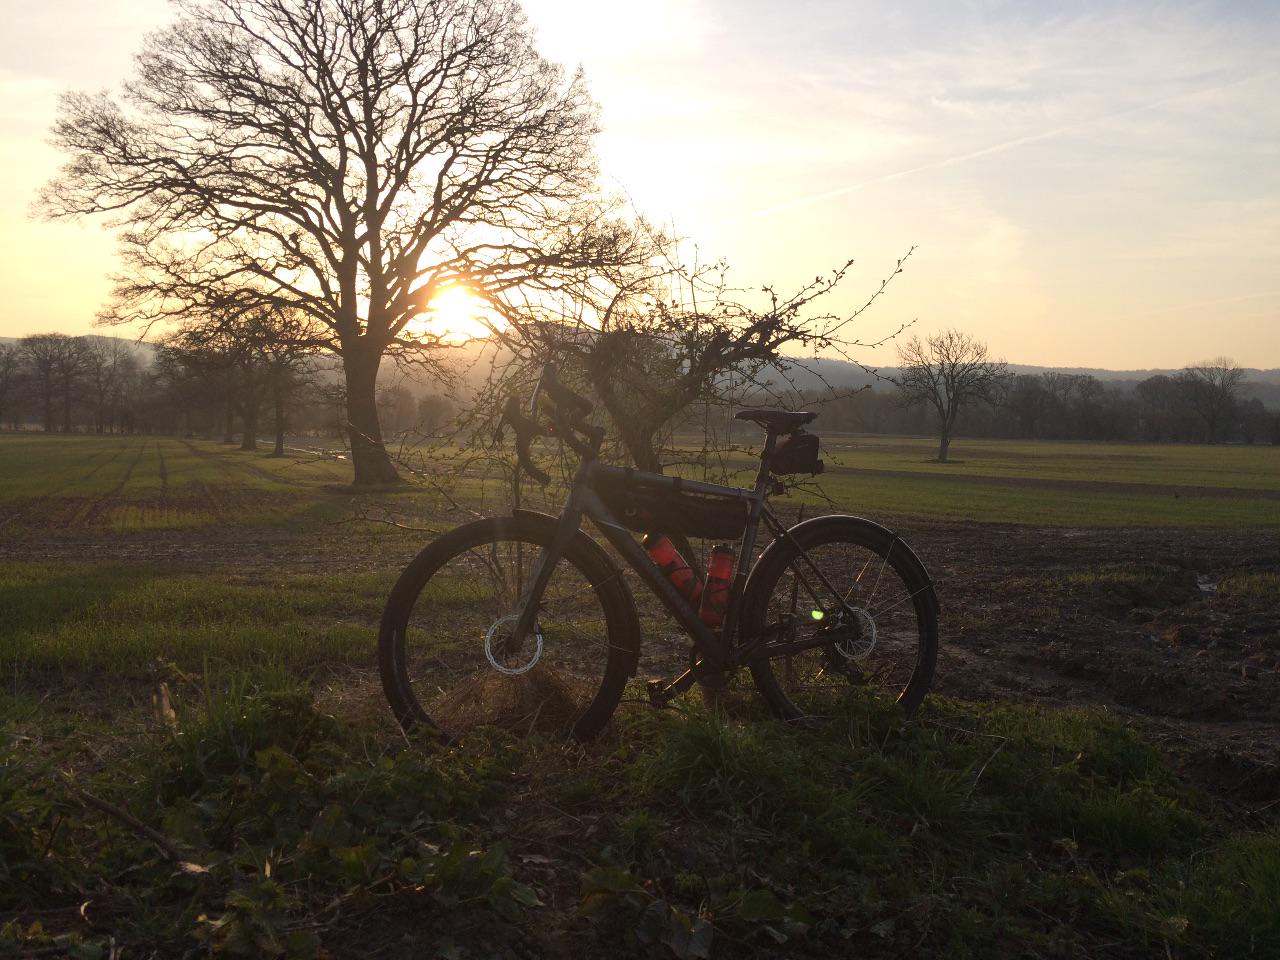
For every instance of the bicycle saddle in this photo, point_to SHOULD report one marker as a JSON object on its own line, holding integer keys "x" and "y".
{"x": 777, "y": 421}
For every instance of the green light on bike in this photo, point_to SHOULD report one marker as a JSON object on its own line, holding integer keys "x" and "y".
{"x": 817, "y": 614}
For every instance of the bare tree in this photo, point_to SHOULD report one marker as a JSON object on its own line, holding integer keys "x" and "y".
{"x": 1028, "y": 400}
{"x": 1213, "y": 387}
{"x": 650, "y": 360}
{"x": 43, "y": 355}
{"x": 945, "y": 372}
{"x": 348, "y": 159}
{"x": 108, "y": 363}
{"x": 286, "y": 341}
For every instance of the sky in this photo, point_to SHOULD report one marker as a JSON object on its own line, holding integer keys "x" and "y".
{"x": 1084, "y": 184}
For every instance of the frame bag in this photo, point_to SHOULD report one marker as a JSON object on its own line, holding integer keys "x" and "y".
{"x": 653, "y": 510}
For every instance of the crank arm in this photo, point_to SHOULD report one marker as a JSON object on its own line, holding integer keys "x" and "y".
{"x": 661, "y": 693}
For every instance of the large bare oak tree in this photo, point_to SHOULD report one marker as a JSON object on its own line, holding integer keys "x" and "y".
{"x": 344, "y": 158}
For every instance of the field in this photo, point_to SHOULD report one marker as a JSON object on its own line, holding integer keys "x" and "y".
{"x": 131, "y": 484}
{"x": 1068, "y": 484}
{"x": 195, "y": 755}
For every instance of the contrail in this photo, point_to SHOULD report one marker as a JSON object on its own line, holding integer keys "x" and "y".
{"x": 1200, "y": 303}
{"x": 995, "y": 148}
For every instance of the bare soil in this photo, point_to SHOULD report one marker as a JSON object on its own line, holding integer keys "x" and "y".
{"x": 1128, "y": 620}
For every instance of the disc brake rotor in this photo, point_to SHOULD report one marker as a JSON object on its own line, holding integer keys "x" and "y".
{"x": 499, "y": 636}
{"x": 859, "y": 637}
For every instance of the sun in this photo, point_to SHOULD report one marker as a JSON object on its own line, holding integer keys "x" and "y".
{"x": 456, "y": 314}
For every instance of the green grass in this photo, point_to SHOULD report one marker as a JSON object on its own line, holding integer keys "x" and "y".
{"x": 997, "y": 481}
{"x": 132, "y": 484}
{"x": 116, "y": 619}
{"x": 972, "y": 832}
{"x": 1202, "y": 465}
{"x": 1001, "y": 831}
{"x": 1257, "y": 585}
{"x": 148, "y": 483}
{"x": 975, "y": 831}
{"x": 949, "y": 498}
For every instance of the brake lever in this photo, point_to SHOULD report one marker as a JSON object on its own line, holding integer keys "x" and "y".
{"x": 525, "y": 431}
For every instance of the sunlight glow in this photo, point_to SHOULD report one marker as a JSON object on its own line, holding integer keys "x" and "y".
{"x": 455, "y": 314}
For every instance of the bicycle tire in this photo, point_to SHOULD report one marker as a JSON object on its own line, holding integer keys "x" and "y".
{"x": 896, "y": 654}
{"x": 440, "y": 669}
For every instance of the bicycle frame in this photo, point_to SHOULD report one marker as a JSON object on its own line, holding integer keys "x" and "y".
{"x": 713, "y": 647}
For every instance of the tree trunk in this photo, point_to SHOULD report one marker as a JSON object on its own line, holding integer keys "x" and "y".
{"x": 249, "y": 439}
{"x": 373, "y": 467}
{"x": 229, "y": 417}
{"x": 944, "y": 442}
{"x": 277, "y": 389}
{"x": 66, "y": 405}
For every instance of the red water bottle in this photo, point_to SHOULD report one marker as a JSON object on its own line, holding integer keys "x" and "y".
{"x": 667, "y": 558}
{"x": 715, "y": 598}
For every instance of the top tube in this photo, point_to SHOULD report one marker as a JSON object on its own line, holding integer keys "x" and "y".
{"x": 678, "y": 484}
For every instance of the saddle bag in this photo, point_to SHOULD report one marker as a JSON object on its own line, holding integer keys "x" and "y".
{"x": 653, "y": 510}
{"x": 798, "y": 453}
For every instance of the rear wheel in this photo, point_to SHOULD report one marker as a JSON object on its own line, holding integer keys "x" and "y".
{"x": 876, "y": 612}
{"x": 446, "y": 651}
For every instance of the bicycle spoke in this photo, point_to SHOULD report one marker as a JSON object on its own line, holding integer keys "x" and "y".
{"x": 866, "y": 637}
{"x": 460, "y": 662}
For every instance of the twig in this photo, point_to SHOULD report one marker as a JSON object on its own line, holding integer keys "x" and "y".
{"x": 983, "y": 768}
{"x": 165, "y": 845}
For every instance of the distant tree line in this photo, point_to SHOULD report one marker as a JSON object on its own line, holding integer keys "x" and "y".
{"x": 1204, "y": 403}
{"x": 65, "y": 384}
{"x": 257, "y": 386}
{"x": 239, "y": 390}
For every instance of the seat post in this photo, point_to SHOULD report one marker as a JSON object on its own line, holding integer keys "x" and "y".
{"x": 766, "y": 454}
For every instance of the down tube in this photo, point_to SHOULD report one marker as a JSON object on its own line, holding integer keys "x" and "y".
{"x": 622, "y": 540}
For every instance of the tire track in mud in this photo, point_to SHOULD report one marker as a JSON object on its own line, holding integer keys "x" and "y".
{"x": 31, "y": 505}
{"x": 111, "y": 459}
{"x": 164, "y": 476}
{"x": 216, "y": 501}
{"x": 103, "y": 503}
{"x": 233, "y": 470}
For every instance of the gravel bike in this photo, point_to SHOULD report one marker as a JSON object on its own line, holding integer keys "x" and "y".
{"x": 525, "y": 620}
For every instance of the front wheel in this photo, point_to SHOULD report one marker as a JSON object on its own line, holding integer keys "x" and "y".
{"x": 446, "y": 649}
{"x": 860, "y": 604}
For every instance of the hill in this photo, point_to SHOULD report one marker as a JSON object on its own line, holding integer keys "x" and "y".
{"x": 808, "y": 374}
